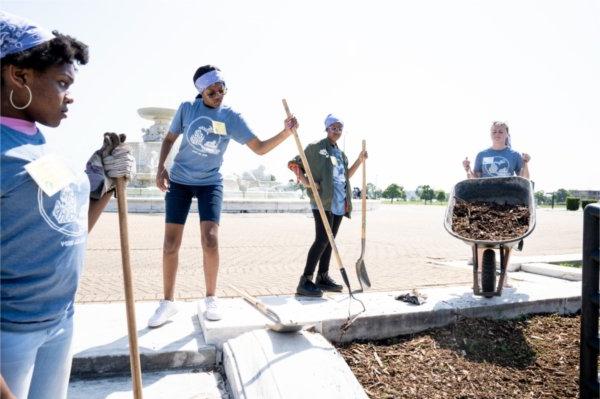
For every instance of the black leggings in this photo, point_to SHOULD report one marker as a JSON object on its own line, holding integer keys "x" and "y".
{"x": 320, "y": 251}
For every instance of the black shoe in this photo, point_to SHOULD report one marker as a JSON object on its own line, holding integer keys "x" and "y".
{"x": 307, "y": 288}
{"x": 326, "y": 283}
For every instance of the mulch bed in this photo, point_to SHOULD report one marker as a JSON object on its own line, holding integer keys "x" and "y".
{"x": 489, "y": 221}
{"x": 536, "y": 358}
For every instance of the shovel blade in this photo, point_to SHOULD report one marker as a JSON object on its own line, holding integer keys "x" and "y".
{"x": 285, "y": 328}
{"x": 361, "y": 273}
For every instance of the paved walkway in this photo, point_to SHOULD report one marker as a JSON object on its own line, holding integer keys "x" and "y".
{"x": 265, "y": 253}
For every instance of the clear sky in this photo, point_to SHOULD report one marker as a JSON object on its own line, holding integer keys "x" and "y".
{"x": 421, "y": 81}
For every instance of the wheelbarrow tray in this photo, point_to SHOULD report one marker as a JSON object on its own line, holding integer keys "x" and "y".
{"x": 511, "y": 190}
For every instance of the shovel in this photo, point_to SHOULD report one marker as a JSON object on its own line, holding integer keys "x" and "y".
{"x": 278, "y": 325}
{"x": 134, "y": 355}
{"x": 361, "y": 269}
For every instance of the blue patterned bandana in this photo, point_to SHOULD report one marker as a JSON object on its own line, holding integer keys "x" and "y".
{"x": 18, "y": 34}
{"x": 331, "y": 119}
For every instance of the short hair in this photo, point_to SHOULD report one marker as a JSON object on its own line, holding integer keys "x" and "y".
{"x": 62, "y": 49}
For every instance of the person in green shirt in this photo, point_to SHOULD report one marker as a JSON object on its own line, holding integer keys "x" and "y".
{"x": 329, "y": 166}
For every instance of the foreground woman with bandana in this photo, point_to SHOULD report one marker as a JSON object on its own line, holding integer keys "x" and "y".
{"x": 329, "y": 166}
{"x": 45, "y": 209}
{"x": 207, "y": 127}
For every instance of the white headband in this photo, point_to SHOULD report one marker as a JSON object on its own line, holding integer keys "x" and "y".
{"x": 209, "y": 78}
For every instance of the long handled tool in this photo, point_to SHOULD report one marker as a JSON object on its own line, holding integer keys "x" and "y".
{"x": 278, "y": 325}
{"x": 317, "y": 198}
{"x": 361, "y": 269}
{"x": 134, "y": 356}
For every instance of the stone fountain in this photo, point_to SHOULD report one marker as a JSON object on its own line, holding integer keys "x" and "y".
{"x": 147, "y": 152}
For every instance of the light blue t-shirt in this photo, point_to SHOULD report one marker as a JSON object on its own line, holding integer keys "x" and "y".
{"x": 42, "y": 239}
{"x": 207, "y": 132}
{"x": 338, "y": 202}
{"x": 498, "y": 163}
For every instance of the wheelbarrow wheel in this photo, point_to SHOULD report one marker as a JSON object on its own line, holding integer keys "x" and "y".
{"x": 488, "y": 272}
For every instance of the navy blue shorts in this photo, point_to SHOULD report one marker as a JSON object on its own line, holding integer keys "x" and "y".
{"x": 179, "y": 199}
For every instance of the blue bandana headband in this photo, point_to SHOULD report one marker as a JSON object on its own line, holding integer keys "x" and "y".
{"x": 208, "y": 79}
{"x": 331, "y": 119}
{"x": 19, "y": 34}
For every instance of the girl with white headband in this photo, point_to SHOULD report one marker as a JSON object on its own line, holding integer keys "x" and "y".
{"x": 46, "y": 209}
{"x": 329, "y": 166}
{"x": 207, "y": 127}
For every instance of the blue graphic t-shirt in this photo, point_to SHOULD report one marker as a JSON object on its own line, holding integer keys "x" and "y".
{"x": 42, "y": 238}
{"x": 498, "y": 163}
{"x": 338, "y": 202}
{"x": 206, "y": 134}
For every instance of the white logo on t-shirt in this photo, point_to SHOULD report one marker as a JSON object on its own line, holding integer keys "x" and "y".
{"x": 66, "y": 216}
{"x": 496, "y": 166}
{"x": 201, "y": 137}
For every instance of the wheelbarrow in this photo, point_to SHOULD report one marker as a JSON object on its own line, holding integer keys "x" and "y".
{"x": 512, "y": 190}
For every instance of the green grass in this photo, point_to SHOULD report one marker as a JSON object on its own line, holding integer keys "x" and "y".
{"x": 570, "y": 263}
{"x": 400, "y": 202}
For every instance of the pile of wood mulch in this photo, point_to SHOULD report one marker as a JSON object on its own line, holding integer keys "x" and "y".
{"x": 489, "y": 221}
{"x": 536, "y": 358}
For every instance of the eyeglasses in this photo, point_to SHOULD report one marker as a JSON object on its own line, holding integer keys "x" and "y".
{"x": 215, "y": 93}
{"x": 335, "y": 128}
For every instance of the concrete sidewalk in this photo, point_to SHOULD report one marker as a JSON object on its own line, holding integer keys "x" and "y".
{"x": 183, "y": 358}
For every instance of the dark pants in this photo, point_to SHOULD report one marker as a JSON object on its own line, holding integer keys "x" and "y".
{"x": 320, "y": 251}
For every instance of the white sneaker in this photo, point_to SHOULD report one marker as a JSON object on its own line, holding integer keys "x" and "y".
{"x": 165, "y": 310}
{"x": 212, "y": 312}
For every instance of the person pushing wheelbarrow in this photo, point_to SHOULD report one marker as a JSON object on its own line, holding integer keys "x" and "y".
{"x": 499, "y": 180}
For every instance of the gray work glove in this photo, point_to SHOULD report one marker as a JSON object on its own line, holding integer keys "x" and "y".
{"x": 109, "y": 162}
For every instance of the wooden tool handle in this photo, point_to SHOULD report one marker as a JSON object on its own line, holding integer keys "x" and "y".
{"x": 261, "y": 306}
{"x": 316, "y": 195}
{"x": 136, "y": 369}
{"x": 364, "y": 194}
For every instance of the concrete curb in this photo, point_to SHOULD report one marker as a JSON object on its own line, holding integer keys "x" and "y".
{"x": 556, "y": 271}
{"x": 189, "y": 341}
{"x": 386, "y": 317}
{"x": 101, "y": 345}
{"x": 265, "y": 364}
{"x": 157, "y": 205}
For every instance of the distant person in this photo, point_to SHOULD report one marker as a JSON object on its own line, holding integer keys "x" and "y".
{"x": 45, "y": 209}
{"x": 329, "y": 166}
{"x": 500, "y": 159}
{"x": 207, "y": 127}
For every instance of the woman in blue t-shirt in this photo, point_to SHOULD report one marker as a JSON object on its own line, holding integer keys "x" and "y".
{"x": 45, "y": 209}
{"x": 500, "y": 159}
{"x": 207, "y": 126}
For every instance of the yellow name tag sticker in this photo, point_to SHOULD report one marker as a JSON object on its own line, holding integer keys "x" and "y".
{"x": 50, "y": 173}
{"x": 334, "y": 160}
{"x": 219, "y": 128}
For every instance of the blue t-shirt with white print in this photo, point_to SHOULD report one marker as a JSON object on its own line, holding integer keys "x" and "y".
{"x": 206, "y": 134}
{"x": 338, "y": 202}
{"x": 42, "y": 238}
{"x": 498, "y": 163}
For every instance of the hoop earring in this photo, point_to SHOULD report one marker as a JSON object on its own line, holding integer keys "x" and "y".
{"x": 10, "y": 98}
